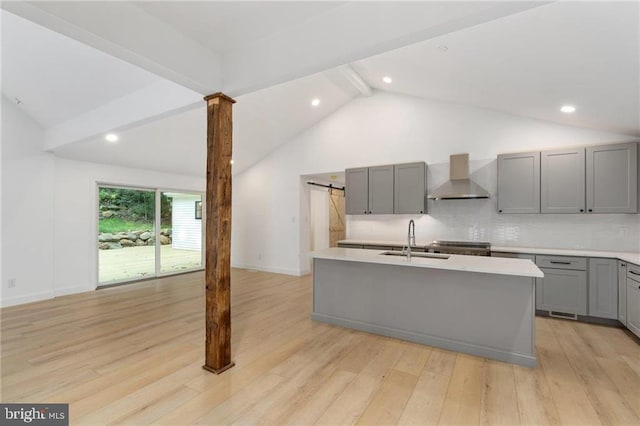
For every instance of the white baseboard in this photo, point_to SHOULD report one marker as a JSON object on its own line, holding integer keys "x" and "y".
{"x": 71, "y": 290}
{"x": 27, "y": 298}
{"x": 263, "y": 268}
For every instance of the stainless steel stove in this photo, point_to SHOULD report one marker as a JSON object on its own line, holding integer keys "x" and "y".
{"x": 470, "y": 248}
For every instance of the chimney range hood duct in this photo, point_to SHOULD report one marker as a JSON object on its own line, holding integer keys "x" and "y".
{"x": 459, "y": 186}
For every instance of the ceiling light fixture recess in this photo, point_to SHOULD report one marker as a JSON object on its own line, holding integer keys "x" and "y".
{"x": 315, "y": 102}
{"x": 111, "y": 137}
{"x": 387, "y": 79}
{"x": 568, "y": 109}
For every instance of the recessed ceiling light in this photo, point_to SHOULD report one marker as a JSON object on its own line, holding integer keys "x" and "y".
{"x": 387, "y": 79}
{"x": 315, "y": 102}
{"x": 112, "y": 137}
{"x": 568, "y": 109}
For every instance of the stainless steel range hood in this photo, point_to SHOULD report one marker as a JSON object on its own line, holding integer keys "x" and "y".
{"x": 459, "y": 186}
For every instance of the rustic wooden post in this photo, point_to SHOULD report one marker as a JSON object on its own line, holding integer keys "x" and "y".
{"x": 218, "y": 234}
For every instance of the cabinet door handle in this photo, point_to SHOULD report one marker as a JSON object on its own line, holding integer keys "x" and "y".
{"x": 634, "y": 273}
{"x": 590, "y": 210}
{"x": 559, "y": 263}
{"x": 581, "y": 210}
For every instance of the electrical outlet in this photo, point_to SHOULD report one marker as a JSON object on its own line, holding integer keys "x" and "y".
{"x": 12, "y": 283}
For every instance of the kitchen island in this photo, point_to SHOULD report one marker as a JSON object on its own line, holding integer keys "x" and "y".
{"x": 477, "y": 305}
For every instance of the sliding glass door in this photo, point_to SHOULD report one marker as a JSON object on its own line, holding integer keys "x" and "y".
{"x": 144, "y": 233}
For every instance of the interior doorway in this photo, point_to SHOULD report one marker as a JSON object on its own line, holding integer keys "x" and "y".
{"x": 327, "y": 224}
{"x": 337, "y": 229}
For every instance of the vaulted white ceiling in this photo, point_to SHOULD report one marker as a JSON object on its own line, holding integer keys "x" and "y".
{"x": 523, "y": 58}
{"x": 223, "y": 26}
{"x": 75, "y": 91}
{"x": 262, "y": 121}
{"x": 582, "y": 53}
{"x": 58, "y": 78}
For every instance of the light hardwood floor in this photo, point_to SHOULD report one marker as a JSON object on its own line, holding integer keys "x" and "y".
{"x": 133, "y": 355}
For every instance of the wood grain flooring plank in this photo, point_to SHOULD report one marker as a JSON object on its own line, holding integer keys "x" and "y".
{"x": 499, "y": 398}
{"x": 132, "y": 355}
{"x": 535, "y": 401}
{"x": 426, "y": 402}
{"x": 464, "y": 395}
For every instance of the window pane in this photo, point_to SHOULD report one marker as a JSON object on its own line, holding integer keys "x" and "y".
{"x": 126, "y": 234}
{"x": 181, "y": 232}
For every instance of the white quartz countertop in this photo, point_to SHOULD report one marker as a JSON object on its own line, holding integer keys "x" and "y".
{"x": 630, "y": 257}
{"x": 624, "y": 256}
{"x": 480, "y": 264}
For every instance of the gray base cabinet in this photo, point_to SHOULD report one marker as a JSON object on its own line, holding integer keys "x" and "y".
{"x": 562, "y": 290}
{"x": 603, "y": 288}
{"x": 633, "y": 298}
{"x": 485, "y": 315}
{"x": 564, "y": 286}
{"x": 622, "y": 292}
{"x": 633, "y": 307}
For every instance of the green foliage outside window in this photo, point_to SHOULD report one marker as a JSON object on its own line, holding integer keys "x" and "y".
{"x": 130, "y": 209}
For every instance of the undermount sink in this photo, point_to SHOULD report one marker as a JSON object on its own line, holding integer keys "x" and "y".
{"x": 416, "y": 254}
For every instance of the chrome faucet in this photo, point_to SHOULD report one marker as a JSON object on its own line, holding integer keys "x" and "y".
{"x": 411, "y": 237}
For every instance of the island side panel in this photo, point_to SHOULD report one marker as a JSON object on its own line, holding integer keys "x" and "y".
{"x": 488, "y": 315}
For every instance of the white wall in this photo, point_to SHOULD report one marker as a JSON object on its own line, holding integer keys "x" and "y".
{"x": 76, "y": 216}
{"x": 186, "y": 230}
{"x": 49, "y": 216}
{"x": 27, "y": 209}
{"x": 271, "y": 217}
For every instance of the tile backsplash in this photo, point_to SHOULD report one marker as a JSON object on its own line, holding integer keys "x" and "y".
{"x": 478, "y": 220}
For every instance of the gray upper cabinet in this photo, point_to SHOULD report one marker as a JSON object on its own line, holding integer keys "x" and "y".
{"x": 410, "y": 187}
{"x": 357, "y": 191}
{"x": 622, "y": 292}
{"x": 603, "y": 288}
{"x": 399, "y": 188}
{"x": 562, "y": 181}
{"x": 612, "y": 178}
{"x": 381, "y": 190}
{"x": 519, "y": 183}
